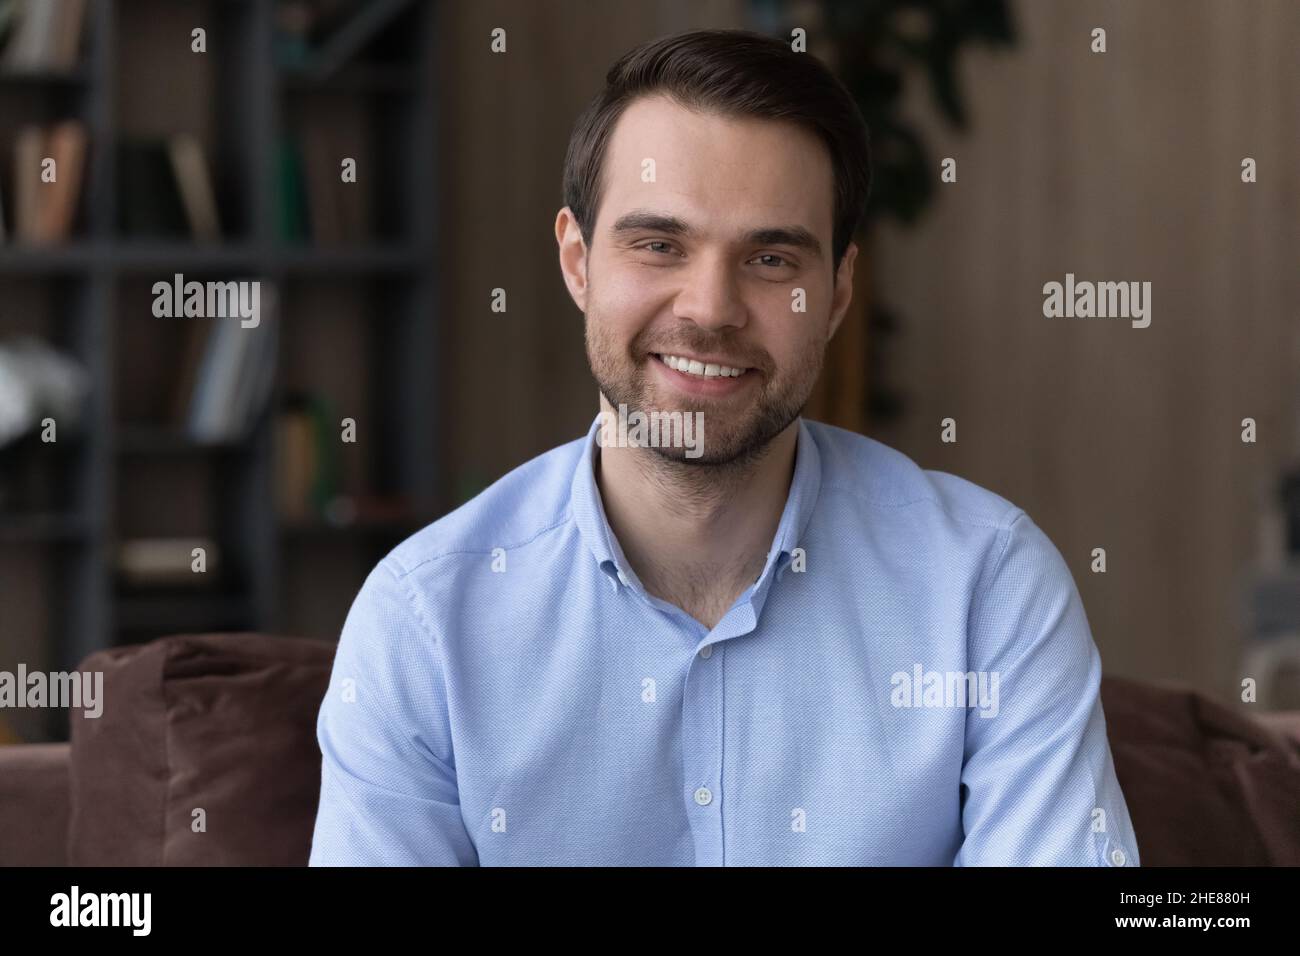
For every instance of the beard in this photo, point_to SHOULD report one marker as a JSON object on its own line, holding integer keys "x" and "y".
{"x": 737, "y": 429}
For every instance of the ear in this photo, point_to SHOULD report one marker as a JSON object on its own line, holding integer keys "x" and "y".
{"x": 573, "y": 257}
{"x": 843, "y": 292}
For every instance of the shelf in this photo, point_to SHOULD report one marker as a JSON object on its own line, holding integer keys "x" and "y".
{"x": 134, "y": 470}
{"x": 368, "y": 78}
{"x": 150, "y": 255}
{"x": 304, "y": 530}
{"x": 125, "y": 255}
{"x": 30, "y": 78}
{"x": 23, "y": 259}
{"x": 355, "y": 260}
{"x": 133, "y": 255}
{"x": 71, "y": 442}
{"x": 43, "y": 527}
{"x": 166, "y": 440}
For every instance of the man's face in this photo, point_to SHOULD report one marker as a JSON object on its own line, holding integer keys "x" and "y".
{"x": 707, "y": 228}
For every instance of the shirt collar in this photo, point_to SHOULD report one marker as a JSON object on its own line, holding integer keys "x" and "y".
{"x": 589, "y": 512}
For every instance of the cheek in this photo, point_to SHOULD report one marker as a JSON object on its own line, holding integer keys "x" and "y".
{"x": 781, "y": 300}
{"x": 812, "y": 296}
{"x": 626, "y": 297}
{"x": 807, "y": 314}
{"x": 788, "y": 350}
{"x": 795, "y": 339}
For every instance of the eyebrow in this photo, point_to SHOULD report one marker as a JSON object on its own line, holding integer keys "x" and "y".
{"x": 795, "y": 236}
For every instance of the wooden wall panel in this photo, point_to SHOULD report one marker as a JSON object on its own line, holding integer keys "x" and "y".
{"x": 1119, "y": 166}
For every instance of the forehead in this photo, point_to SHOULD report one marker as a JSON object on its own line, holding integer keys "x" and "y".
{"x": 722, "y": 173}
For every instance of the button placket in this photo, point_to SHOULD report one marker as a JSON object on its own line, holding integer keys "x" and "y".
{"x": 702, "y": 758}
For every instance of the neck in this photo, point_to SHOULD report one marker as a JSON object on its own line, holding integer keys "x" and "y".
{"x": 676, "y": 518}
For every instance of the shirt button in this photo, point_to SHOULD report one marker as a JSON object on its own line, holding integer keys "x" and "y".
{"x": 703, "y": 796}
{"x": 1117, "y": 857}
{"x": 706, "y": 651}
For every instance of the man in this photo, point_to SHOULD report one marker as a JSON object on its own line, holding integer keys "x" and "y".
{"x": 778, "y": 643}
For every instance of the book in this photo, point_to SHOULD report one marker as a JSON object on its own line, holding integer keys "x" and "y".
{"x": 46, "y": 35}
{"x": 349, "y": 137}
{"x": 149, "y": 562}
{"x": 29, "y": 149}
{"x": 294, "y": 20}
{"x": 149, "y": 200}
{"x": 8, "y": 18}
{"x": 236, "y": 374}
{"x": 190, "y": 169}
{"x": 291, "y": 207}
{"x": 7, "y": 736}
{"x": 324, "y": 209}
{"x": 337, "y": 211}
{"x": 196, "y": 345}
{"x": 209, "y": 417}
{"x": 326, "y": 481}
{"x": 31, "y": 37}
{"x": 295, "y": 460}
{"x": 256, "y": 376}
{"x": 67, "y": 147}
{"x": 66, "y": 46}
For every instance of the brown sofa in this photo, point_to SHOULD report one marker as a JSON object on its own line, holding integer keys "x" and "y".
{"x": 214, "y": 762}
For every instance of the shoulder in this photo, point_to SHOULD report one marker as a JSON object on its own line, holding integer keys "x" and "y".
{"x": 991, "y": 549}
{"x": 517, "y": 508}
{"x": 879, "y": 478}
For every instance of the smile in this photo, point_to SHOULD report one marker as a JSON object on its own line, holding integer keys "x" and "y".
{"x": 701, "y": 369}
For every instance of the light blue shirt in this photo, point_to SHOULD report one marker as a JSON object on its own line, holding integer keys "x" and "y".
{"x": 910, "y": 681}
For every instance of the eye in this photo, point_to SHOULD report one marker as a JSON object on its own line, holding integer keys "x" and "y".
{"x": 665, "y": 247}
{"x": 772, "y": 259}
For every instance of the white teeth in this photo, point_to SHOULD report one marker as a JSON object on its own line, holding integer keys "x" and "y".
{"x": 695, "y": 367}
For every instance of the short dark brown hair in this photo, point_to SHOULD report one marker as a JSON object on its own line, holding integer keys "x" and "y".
{"x": 734, "y": 73}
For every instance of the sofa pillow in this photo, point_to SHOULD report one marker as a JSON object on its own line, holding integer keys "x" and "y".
{"x": 205, "y": 753}
{"x": 34, "y": 804}
{"x": 1205, "y": 786}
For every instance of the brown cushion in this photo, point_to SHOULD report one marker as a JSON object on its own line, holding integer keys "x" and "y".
{"x": 221, "y": 722}
{"x": 1205, "y": 786}
{"x": 34, "y": 805}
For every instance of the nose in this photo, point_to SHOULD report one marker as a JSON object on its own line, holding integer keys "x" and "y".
{"x": 710, "y": 295}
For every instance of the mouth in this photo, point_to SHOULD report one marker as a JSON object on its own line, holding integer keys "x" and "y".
{"x": 701, "y": 376}
{"x": 701, "y": 368}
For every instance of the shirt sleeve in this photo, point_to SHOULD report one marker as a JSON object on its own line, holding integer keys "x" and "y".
{"x": 1038, "y": 785}
{"x": 388, "y": 793}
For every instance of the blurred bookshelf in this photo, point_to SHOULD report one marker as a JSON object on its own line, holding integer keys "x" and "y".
{"x": 295, "y": 516}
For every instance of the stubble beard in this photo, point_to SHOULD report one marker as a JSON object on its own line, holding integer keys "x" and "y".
{"x": 737, "y": 433}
